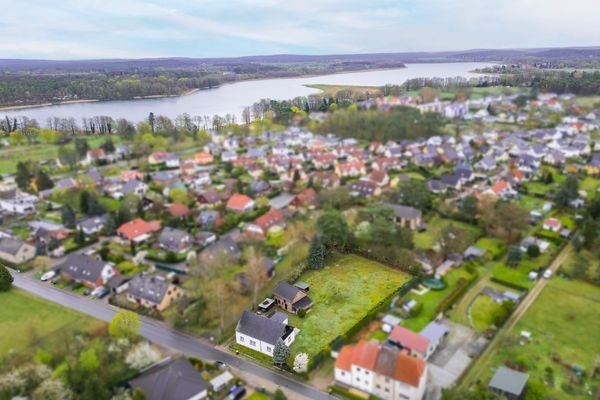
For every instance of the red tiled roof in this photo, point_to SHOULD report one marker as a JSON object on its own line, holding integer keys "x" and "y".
{"x": 378, "y": 176}
{"x": 269, "y": 219}
{"x": 517, "y": 174}
{"x": 498, "y": 187}
{"x": 238, "y": 202}
{"x": 130, "y": 175}
{"x": 344, "y": 359}
{"x": 307, "y": 195}
{"x": 365, "y": 355}
{"x": 409, "y": 369}
{"x": 178, "y": 210}
{"x": 138, "y": 227}
{"x": 551, "y": 222}
{"x": 410, "y": 339}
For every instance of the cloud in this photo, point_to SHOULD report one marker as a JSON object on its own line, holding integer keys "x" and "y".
{"x": 138, "y": 28}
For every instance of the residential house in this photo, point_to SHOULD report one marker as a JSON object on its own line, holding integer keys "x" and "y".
{"x": 175, "y": 240}
{"x": 88, "y": 271}
{"x": 381, "y": 371}
{"x": 435, "y": 333}
{"x": 412, "y": 342}
{"x": 552, "y": 224}
{"x": 138, "y": 230}
{"x": 407, "y": 216}
{"x": 171, "y": 379}
{"x": 324, "y": 161}
{"x": 262, "y": 224}
{"x": 158, "y": 157}
{"x": 501, "y": 189}
{"x": 95, "y": 155}
{"x": 172, "y": 161}
{"x": 153, "y": 291}
{"x": 487, "y": 163}
{"x": 364, "y": 188}
{"x": 379, "y": 177}
{"x": 350, "y": 169}
{"x": 93, "y": 225}
{"x": 223, "y": 249}
{"x": 261, "y": 333}
{"x": 229, "y": 156}
{"x": 20, "y": 203}
{"x": 306, "y": 198}
{"x": 204, "y": 238}
{"x": 259, "y": 187}
{"x": 211, "y": 198}
{"x": 203, "y": 158}
{"x": 240, "y": 203}
{"x": 290, "y": 298}
{"x": 208, "y": 218}
{"x": 133, "y": 186}
{"x": 14, "y": 251}
{"x": 179, "y": 210}
{"x": 509, "y": 384}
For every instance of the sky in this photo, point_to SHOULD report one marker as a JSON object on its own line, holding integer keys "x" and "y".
{"x": 81, "y": 29}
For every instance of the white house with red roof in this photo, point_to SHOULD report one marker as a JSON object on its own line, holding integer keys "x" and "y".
{"x": 265, "y": 222}
{"x": 501, "y": 189}
{"x": 381, "y": 371}
{"x": 138, "y": 230}
{"x": 240, "y": 203}
{"x": 552, "y": 224}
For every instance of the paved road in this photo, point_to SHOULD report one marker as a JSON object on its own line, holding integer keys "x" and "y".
{"x": 158, "y": 333}
{"x": 473, "y": 373}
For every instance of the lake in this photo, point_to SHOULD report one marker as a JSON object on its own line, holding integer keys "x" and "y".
{"x": 233, "y": 98}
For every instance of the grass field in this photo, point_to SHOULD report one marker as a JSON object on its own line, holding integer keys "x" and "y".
{"x": 343, "y": 293}
{"x": 590, "y": 185}
{"x": 494, "y": 247}
{"x": 426, "y": 240}
{"x": 565, "y": 321}
{"x": 331, "y": 90}
{"x": 531, "y": 203}
{"x": 27, "y": 320}
{"x": 483, "y": 311}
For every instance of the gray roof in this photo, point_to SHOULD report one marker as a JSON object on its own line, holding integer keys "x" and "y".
{"x": 82, "y": 267}
{"x": 405, "y": 212}
{"x": 282, "y": 201}
{"x": 261, "y": 328}
{"x": 93, "y": 222}
{"x": 10, "y": 245}
{"x": 225, "y": 246}
{"x": 171, "y": 237}
{"x": 148, "y": 287}
{"x": 509, "y": 381}
{"x": 434, "y": 331}
{"x": 286, "y": 291}
{"x": 131, "y": 186}
{"x": 177, "y": 380}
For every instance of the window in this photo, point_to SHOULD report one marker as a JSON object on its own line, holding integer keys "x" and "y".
{"x": 268, "y": 349}
{"x": 387, "y": 390}
{"x": 366, "y": 372}
{"x": 358, "y": 380}
{"x": 358, "y": 369}
{"x": 378, "y": 386}
{"x": 252, "y": 343}
{"x": 241, "y": 338}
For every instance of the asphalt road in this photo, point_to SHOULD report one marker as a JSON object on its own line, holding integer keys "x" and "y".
{"x": 162, "y": 335}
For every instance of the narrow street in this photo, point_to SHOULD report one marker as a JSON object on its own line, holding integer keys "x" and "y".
{"x": 167, "y": 337}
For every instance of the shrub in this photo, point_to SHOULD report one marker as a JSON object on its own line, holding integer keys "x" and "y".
{"x": 416, "y": 310}
{"x": 301, "y": 313}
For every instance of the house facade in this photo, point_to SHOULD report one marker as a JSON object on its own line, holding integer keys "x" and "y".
{"x": 261, "y": 333}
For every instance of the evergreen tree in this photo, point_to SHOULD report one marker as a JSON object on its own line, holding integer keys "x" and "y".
{"x": 81, "y": 147}
{"x": 79, "y": 237}
{"x": 68, "y": 217}
{"x": 280, "y": 353}
{"x": 23, "y": 177}
{"x": 84, "y": 202}
{"x": 44, "y": 181}
{"x": 317, "y": 253}
{"x": 6, "y": 279}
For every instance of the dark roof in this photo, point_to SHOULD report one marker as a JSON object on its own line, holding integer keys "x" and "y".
{"x": 286, "y": 291}
{"x": 10, "y": 245}
{"x": 171, "y": 237}
{"x": 509, "y": 381}
{"x": 148, "y": 287}
{"x": 405, "y": 212}
{"x": 177, "y": 380}
{"x": 225, "y": 246}
{"x": 93, "y": 222}
{"x": 117, "y": 281}
{"x": 82, "y": 267}
{"x": 261, "y": 328}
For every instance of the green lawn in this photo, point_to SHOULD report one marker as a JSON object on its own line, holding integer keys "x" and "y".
{"x": 258, "y": 396}
{"x": 430, "y": 300}
{"x": 565, "y": 321}
{"x": 343, "y": 293}
{"x": 519, "y": 274}
{"x": 28, "y": 320}
{"x": 426, "y": 240}
{"x": 540, "y": 188}
{"x": 494, "y": 247}
{"x": 416, "y": 176}
{"x": 531, "y": 203}
{"x": 590, "y": 185}
{"x": 483, "y": 311}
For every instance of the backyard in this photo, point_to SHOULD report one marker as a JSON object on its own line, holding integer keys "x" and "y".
{"x": 343, "y": 293}
{"x": 427, "y": 240}
{"x": 564, "y": 322}
{"x": 28, "y": 320}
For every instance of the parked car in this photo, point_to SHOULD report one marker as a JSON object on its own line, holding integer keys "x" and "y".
{"x": 99, "y": 292}
{"x": 48, "y": 275}
{"x": 55, "y": 279}
{"x": 547, "y": 273}
{"x": 236, "y": 393}
{"x": 533, "y": 276}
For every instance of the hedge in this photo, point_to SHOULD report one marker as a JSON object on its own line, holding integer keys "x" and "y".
{"x": 461, "y": 287}
{"x": 509, "y": 284}
{"x": 343, "y": 393}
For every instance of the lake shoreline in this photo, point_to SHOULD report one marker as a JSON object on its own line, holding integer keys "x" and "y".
{"x": 191, "y": 91}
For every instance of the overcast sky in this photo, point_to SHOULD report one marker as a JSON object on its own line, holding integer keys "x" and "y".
{"x": 76, "y": 29}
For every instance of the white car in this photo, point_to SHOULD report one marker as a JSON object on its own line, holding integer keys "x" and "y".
{"x": 48, "y": 275}
{"x": 547, "y": 274}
